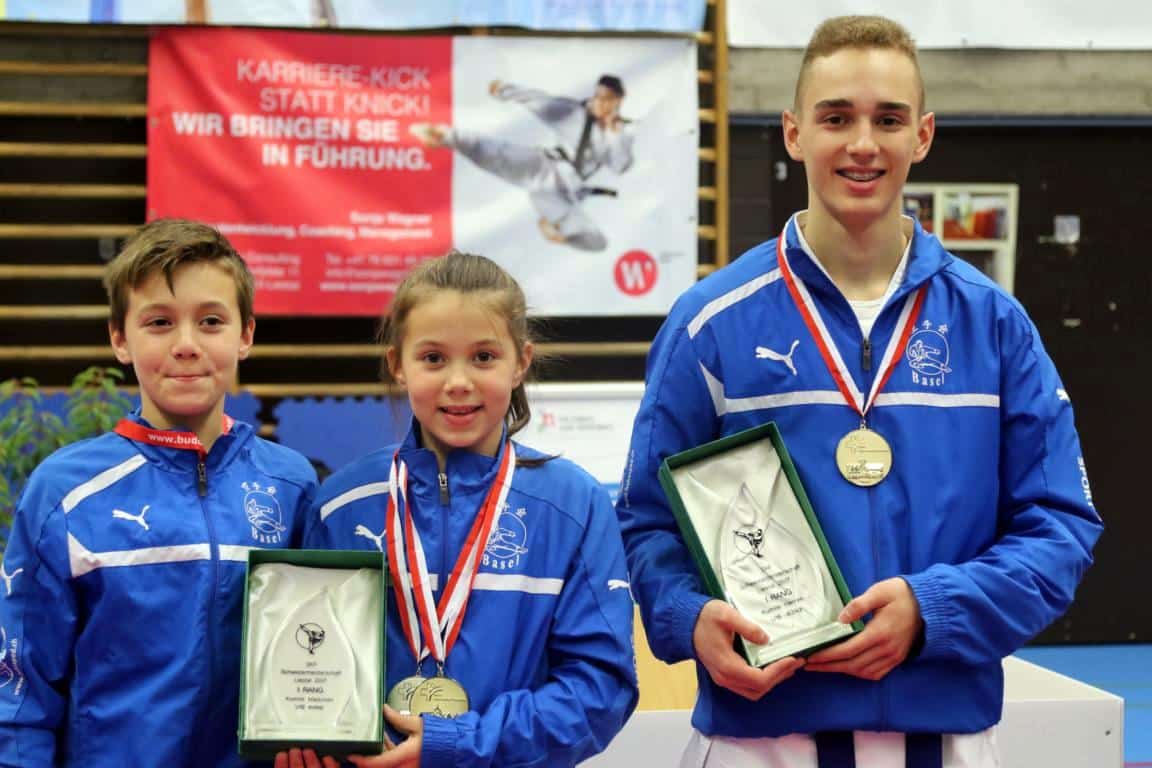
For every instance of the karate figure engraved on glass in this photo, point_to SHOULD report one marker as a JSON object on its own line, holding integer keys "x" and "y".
{"x": 315, "y": 668}
{"x": 769, "y": 574}
{"x": 757, "y": 542}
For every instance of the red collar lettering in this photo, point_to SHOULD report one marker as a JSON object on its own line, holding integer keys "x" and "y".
{"x": 167, "y": 438}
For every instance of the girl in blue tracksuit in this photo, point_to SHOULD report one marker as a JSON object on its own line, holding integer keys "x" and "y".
{"x": 539, "y": 662}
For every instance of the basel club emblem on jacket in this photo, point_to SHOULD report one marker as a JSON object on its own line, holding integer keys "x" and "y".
{"x": 263, "y": 513}
{"x": 508, "y": 541}
{"x": 928, "y": 354}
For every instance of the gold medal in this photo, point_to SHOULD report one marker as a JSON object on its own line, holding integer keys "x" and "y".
{"x": 441, "y": 696}
{"x": 400, "y": 697}
{"x": 863, "y": 457}
{"x": 424, "y": 620}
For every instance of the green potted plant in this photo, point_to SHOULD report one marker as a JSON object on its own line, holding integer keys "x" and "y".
{"x": 30, "y": 429}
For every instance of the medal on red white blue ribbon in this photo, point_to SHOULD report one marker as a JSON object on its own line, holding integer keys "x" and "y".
{"x": 430, "y": 628}
{"x": 863, "y": 456}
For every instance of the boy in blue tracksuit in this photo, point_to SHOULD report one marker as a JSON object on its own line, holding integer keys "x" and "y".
{"x": 857, "y": 322}
{"x": 540, "y": 659}
{"x": 125, "y": 568}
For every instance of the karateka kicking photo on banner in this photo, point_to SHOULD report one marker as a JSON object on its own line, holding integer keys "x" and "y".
{"x": 575, "y": 163}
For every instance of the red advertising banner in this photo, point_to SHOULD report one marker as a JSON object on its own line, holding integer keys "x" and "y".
{"x": 298, "y": 147}
{"x": 335, "y": 163}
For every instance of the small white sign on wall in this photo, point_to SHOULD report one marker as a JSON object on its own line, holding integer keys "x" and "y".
{"x": 591, "y": 424}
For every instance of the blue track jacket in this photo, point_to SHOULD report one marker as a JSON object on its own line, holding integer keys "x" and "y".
{"x": 121, "y": 607}
{"x": 987, "y": 512}
{"x": 545, "y": 651}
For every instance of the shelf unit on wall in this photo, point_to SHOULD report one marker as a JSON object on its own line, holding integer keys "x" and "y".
{"x": 976, "y": 222}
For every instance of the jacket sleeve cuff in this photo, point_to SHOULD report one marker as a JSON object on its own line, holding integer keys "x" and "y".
{"x": 438, "y": 742}
{"x": 933, "y": 610}
{"x": 685, "y": 610}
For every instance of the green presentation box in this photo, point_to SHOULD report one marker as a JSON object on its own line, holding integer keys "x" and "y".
{"x": 314, "y": 656}
{"x": 757, "y": 543}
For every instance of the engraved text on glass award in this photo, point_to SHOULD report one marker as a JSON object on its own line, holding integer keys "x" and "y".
{"x": 311, "y": 670}
{"x": 769, "y": 574}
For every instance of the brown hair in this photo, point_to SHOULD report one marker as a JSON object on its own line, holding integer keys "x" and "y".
{"x": 840, "y": 32}
{"x": 163, "y": 246}
{"x": 479, "y": 278}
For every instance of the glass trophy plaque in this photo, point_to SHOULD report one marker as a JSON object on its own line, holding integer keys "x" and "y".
{"x": 312, "y": 665}
{"x": 310, "y": 668}
{"x": 757, "y": 543}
